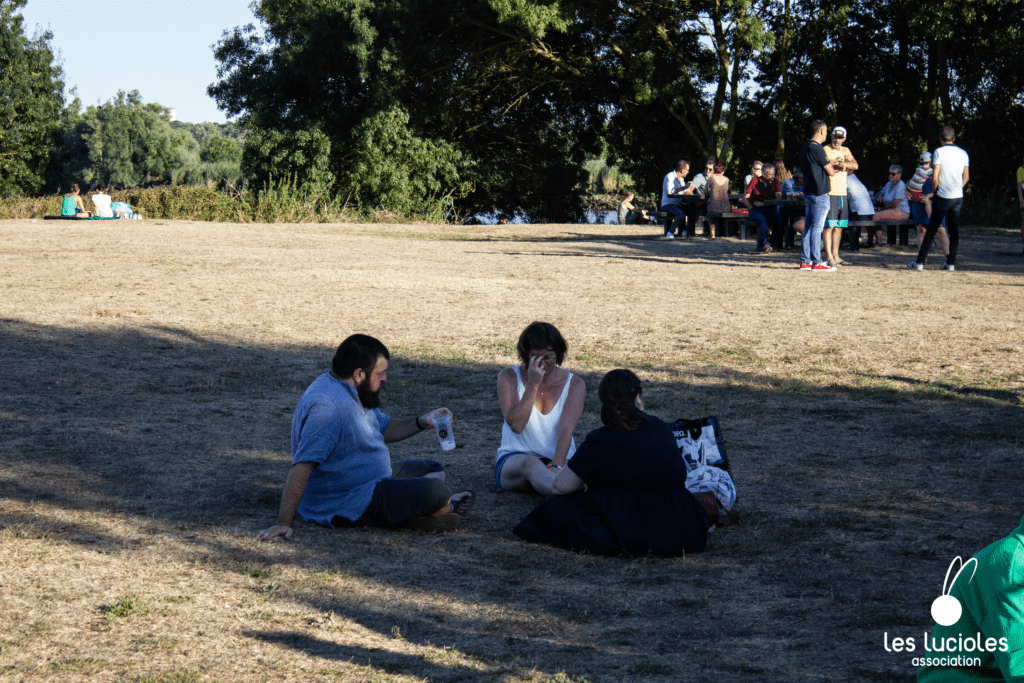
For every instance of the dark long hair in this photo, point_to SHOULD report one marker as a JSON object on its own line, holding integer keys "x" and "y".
{"x": 618, "y": 392}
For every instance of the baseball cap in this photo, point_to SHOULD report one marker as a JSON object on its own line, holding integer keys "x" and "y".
{"x": 925, "y": 156}
{"x": 840, "y": 130}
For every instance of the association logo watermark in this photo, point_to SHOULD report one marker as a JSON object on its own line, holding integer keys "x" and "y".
{"x": 959, "y": 650}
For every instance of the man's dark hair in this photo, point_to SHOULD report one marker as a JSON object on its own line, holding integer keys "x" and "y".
{"x": 817, "y": 125}
{"x": 539, "y": 336}
{"x": 947, "y": 134}
{"x": 360, "y": 351}
{"x": 682, "y": 164}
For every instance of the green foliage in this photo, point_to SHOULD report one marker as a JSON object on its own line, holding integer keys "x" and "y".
{"x": 483, "y": 104}
{"x": 278, "y": 203}
{"x": 304, "y": 156}
{"x": 219, "y": 150}
{"x": 31, "y": 99}
{"x": 393, "y": 170}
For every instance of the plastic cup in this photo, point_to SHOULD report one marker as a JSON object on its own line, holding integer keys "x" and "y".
{"x": 443, "y": 427}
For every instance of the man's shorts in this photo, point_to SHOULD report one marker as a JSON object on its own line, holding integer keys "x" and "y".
{"x": 838, "y": 213}
{"x": 500, "y": 462}
{"x": 404, "y": 498}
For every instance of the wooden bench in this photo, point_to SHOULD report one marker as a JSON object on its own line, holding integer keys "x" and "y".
{"x": 892, "y": 226}
{"x": 724, "y": 217}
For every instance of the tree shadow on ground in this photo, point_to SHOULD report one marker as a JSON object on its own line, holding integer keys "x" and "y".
{"x": 854, "y": 498}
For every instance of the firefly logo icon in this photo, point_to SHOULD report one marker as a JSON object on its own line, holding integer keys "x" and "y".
{"x": 946, "y": 609}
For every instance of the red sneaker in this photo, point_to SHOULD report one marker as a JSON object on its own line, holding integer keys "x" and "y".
{"x": 805, "y": 266}
{"x": 823, "y": 266}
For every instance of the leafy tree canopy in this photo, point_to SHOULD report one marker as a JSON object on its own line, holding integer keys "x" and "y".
{"x": 31, "y": 100}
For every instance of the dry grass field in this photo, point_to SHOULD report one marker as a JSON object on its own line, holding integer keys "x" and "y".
{"x": 874, "y": 418}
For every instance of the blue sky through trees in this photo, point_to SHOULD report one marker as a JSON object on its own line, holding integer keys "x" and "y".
{"x": 160, "y": 48}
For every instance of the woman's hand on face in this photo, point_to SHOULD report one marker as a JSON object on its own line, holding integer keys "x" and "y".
{"x": 536, "y": 370}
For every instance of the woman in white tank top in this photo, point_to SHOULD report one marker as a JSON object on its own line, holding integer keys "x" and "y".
{"x": 541, "y": 403}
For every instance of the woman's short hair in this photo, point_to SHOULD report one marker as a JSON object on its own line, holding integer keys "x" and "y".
{"x": 719, "y": 166}
{"x": 75, "y": 188}
{"x": 358, "y": 352}
{"x": 897, "y": 168}
{"x": 618, "y": 392}
{"x": 538, "y": 336}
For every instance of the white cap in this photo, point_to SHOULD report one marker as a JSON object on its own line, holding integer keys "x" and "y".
{"x": 840, "y": 130}
{"x": 925, "y": 156}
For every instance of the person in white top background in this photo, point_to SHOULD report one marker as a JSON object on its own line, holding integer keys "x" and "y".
{"x": 101, "y": 200}
{"x": 541, "y": 403}
{"x": 950, "y": 173}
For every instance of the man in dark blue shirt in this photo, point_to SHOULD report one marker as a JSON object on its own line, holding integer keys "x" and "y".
{"x": 817, "y": 169}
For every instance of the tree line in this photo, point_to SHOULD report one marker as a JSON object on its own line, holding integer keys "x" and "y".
{"x": 495, "y": 105}
{"x": 46, "y": 144}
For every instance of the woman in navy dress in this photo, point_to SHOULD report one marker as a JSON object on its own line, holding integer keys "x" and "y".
{"x": 636, "y": 500}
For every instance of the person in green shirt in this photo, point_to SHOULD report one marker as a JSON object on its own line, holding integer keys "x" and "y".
{"x": 993, "y": 605}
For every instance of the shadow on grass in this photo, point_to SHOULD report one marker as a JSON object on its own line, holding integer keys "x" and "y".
{"x": 980, "y": 251}
{"x": 846, "y": 530}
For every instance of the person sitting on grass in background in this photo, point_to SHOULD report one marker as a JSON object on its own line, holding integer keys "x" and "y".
{"x": 629, "y": 214}
{"x": 341, "y": 474}
{"x": 73, "y": 204}
{"x": 915, "y": 188}
{"x": 636, "y": 500}
{"x": 541, "y": 404}
{"x": 761, "y": 190}
{"x": 101, "y": 200}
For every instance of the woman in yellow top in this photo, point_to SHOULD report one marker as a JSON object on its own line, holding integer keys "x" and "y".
{"x": 839, "y": 213}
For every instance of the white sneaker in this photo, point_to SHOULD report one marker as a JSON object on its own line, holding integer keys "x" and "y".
{"x": 948, "y": 266}
{"x": 669, "y": 236}
{"x": 914, "y": 265}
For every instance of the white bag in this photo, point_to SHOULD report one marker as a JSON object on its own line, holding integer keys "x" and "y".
{"x": 703, "y": 450}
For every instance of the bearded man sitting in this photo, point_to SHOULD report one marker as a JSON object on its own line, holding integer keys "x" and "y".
{"x": 341, "y": 474}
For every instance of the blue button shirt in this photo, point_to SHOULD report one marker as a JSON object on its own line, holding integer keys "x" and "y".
{"x": 346, "y": 441}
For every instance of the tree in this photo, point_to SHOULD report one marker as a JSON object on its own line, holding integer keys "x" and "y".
{"x": 495, "y": 94}
{"x": 31, "y": 99}
{"x": 127, "y": 142}
{"x": 219, "y": 149}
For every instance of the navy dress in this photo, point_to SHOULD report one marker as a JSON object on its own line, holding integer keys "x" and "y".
{"x": 636, "y": 502}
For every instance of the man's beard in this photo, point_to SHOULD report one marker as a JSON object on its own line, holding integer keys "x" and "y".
{"x": 368, "y": 399}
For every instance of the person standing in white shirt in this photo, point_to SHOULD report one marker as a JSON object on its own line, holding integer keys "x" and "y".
{"x": 950, "y": 173}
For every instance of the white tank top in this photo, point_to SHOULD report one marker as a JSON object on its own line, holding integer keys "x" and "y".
{"x": 540, "y": 436}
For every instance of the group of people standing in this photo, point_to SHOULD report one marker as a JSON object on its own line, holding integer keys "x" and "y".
{"x": 825, "y": 168}
{"x": 622, "y": 491}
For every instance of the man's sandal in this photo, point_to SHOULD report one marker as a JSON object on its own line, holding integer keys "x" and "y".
{"x": 462, "y": 502}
